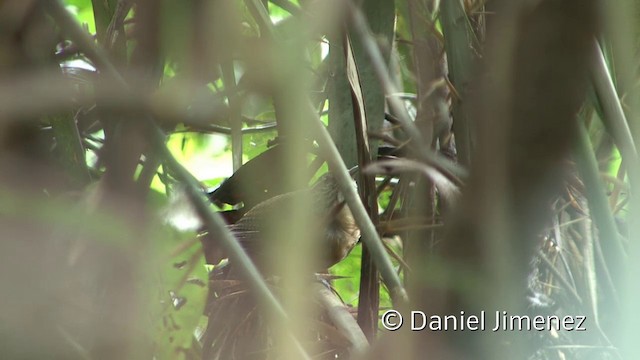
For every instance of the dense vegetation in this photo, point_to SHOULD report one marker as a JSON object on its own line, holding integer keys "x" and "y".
{"x": 495, "y": 143}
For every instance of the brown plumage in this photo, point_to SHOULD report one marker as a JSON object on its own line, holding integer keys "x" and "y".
{"x": 332, "y": 221}
{"x": 237, "y": 328}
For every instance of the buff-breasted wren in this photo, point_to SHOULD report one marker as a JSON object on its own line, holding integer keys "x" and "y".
{"x": 332, "y": 222}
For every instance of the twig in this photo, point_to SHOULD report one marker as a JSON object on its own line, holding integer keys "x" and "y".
{"x": 373, "y": 52}
{"x": 369, "y": 233}
{"x": 213, "y": 221}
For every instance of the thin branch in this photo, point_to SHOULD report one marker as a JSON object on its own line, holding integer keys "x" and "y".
{"x": 614, "y": 253}
{"x": 342, "y": 319}
{"x": 369, "y": 233}
{"x": 614, "y": 117}
{"x": 213, "y": 221}
{"x": 373, "y": 52}
{"x": 235, "y": 115}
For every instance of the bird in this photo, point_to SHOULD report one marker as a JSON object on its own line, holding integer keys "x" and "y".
{"x": 332, "y": 223}
{"x": 262, "y": 231}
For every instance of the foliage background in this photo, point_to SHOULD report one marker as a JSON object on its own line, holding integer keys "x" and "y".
{"x": 507, "y": 167}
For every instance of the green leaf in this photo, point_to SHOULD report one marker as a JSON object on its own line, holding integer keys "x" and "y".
{"x": 181, "y": 293}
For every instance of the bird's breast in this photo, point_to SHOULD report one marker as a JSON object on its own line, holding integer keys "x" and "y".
{"x": 343, "y": 234}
